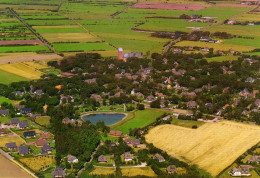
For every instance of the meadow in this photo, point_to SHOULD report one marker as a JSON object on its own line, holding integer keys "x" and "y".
{"x": 43, "y": 121}
{"x": 140, "y": 119}
{"x": 66, "y": 47}
{"x": 28, "y": 48}
{"x": 37, "y": 163}
{"x": 7, "y": 77}
{"x": 17, "y": 139}
{"x": 222, "y": 58}
{"x": 3, "y": 99}
{"x": 213, "y": 146}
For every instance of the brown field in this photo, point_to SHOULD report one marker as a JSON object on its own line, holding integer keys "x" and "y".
{"x": 102, "y": 171}
{"x": 70, "y": 37}
{"x": 21, "y": 42}
{"x": 38, "y": 162}
{"x": 140, "y": 171}
{"x": 9, "y": 169}
{"x": 170, "y": 6}
{"x": 213, "y": 146}
{"x": 24, "y": 57}
{"x": 234, "y": 5}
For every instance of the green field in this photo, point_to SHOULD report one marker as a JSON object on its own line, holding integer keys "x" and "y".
{"x": 222, "y": 58}
{"x": 187, "y": 123}
{"x": 140, "y": 119}
{"x": 3, "y": 99}
{"x": 60, "y": 30}
{"x": 7, "y": 78}
{"x": 65, "y": 47}
{"x": 43, "y": 121}
{"x": 6, "y": 49}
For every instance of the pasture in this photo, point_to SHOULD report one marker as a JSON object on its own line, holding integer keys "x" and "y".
{"x": 7, "y": 77}
{"x": 70, "y": 37}
{"x": 3, "y": 99}
{"x": 67, "y": 47}
{"x": 213, "y": 146}
{"x": 139, "y": 119}
{"x": 222, "y": 58}
{"x": 17, "y": 139}
{"x": 43, "y": 120}
{"x": 37, "y": 163}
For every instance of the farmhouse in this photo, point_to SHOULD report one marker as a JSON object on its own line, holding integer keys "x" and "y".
{"x": 159, "y": 157}
{"x": 171, "y": 169}
{"x": 123, "y": 56}
{"x": 11, "y": 145}
{"x": 102, "y": 159}
{"x": 254, "y": 159}
{"x": 29, "y": 134}
{"x": 59, "y": 172}
{"x": 72, "y": 159}
{"x": 128, "y": 156}
{"x": 243, "y": 170}
{"x": 23, "y": 150}
{"x": 115, "y": 133}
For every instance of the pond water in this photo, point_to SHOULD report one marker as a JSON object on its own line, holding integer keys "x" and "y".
{"x": 109, "y": 119}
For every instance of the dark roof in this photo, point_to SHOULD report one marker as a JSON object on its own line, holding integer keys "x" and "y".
{"x": 10, "y": 145}
{"x": 23, "y": 150}
{"x": 4, "y": 112}
{"x": 14, "y": 121}
{"x": 132, "y": 54}
{"x": 29, "y": 134}
{"x": 23, "y": 124}
{"x": 46, "y": 149}
{"x": 25, "y": 110}
{"x": 58, "y": 172}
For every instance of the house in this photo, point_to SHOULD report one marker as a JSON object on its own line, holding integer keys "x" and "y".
{"x": 89, "y": 81}
{"x": 38, "y": 92}
{"x": 96, "y": 97}
{"x": 192, "y": 104}
{"x": 115, "y": 133}
{"x": 150, "y": 98}
{"x": 135, "y": 142}
{"x": 45, "y": 136}
{"x": 250, "y": 80}
{"x": 66, "y": 99}
{"x": 139, "y": 95}
{"x": 59, "y": 172}
{"x": 23, "y": 125}
{"x": 128, "y": 156}
{"x": 102, "y": 159}
{"x": 72, "y": 159}
{"x": 14, "y": 121}
{"x": 231, "y": 22}
{"x": 188, "y": 94}
{"x": 243, "y": 170}
{"x": 25, "y": 111}
{"x": 209, "y": 105}
{"x": 254, "y": 159}
{"x": 257, "y": 103}
{"x": 29, "y": 134}
{"x": 18, "y": 93}
{"x": 123, "y": 56}
{"x": 11, "y": 145}
{"x": 40, "y": 143}
{"x": 3, "y": 132}
{"x": 4, "y": 112}
{"x": 159, "y": 157}
{"x": 171, "y": 169}
{"x": 23, "y": 150}
{"x": 67, "y": 74}
{"x": 112, "y": 144}
{"x": 46, "y": 149}
{"x": 18, "y": 107}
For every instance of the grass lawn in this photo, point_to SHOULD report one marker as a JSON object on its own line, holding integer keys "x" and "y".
{"x": 186, "y": 123}
{"x": 142, "y": 171}
{"x": 7, "y": 78}
{"x": 3, "y": 99}
{"x": 44, "y": 120}
{"x": 222, "y": 58}
{"x": 4, "y": 140}
{"x": 6, "y": 49}
{"x": 66, "y": 47}
{"x": 140, "y": 119}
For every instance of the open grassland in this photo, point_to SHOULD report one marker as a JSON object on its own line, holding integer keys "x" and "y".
{"x": 131, "y": 172}
{"x": 38, "y": 162}
{"x": 22, "y": 70}
{"x": 70, "y": 37}
{"x": 4, "y": 99}
{"x": 7, "y": 77}
{"x": 44, "y": 120}
{"x": 140, "y": 119}
{"x": 245, "y": 42}
{"x": 213, "y": 146}
{"x": 8, "y": 49}
{"x": 251, "y": 17}
{"x": 187, "y": 123}
{"x": 9, "y": 169}
{"x": 4, "y": 140}
{"x": 222, "y": 58}
{"x": 216, "y": 46}
{"x": 67, "y": 47}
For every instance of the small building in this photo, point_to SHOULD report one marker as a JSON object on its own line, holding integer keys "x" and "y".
{"x": 72, "y": 159}
{"x": 254, "y": 159}
{"x": 192, "y": 104}
{"x": 250, "y": 80}
{"x": 159, "y": 157}
{"x": 115, "y": 133}
{"x": 40, "y": 143}
{"x": 29, "y": 134}
{"x": 46, "y": 149}
{"x": 3, "y": 132}
{"x": 23, "y": 150}
{"x": 25, "y": 111}
{"x": 45, "y": 136}
{"x": 243, "y": 170}
{"x": 128, "y": 156}
{"x": 11, "y": 145}
{"x": 4, "y": 112}
{"x": 23, "y": 125}
{"x": 171, "y": 169}
{"x": 59, "y": 172}
{"x": 14, "y": 121}
{"x": 150, "y": 98}
{"x": 102, "y": 159}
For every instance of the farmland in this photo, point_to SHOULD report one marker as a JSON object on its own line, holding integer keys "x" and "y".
{"x": 7, "y": 78}
{"x": 212, "y": 147}
{"x": 44, "y": 120}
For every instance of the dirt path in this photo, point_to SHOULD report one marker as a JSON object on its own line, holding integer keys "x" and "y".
{"x": 170, "y": 44}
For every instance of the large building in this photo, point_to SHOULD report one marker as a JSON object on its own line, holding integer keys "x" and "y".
{"x": 123, "y": 56}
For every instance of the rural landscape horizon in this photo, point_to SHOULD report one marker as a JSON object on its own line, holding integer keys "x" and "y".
{"x": 129, "y": 88}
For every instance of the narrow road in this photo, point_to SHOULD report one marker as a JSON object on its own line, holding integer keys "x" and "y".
{"x": 141, "y": 165}
{"x": 33, "y": 31}
{"x": 170, "y": 44}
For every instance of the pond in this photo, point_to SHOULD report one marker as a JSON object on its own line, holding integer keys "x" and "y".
{"x": 109, "y": 119}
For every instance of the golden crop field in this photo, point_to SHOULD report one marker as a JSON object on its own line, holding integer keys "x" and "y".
{"x": 213, "y": 146}
{"x": 38, "y": 162}
{"x": 102, "y": 171}
{"x": 70, "y": 37}
{"x": 216, "y": 46}
{"x": 22, "y": 70}
{"x": 138, "y": 171}
{"x": 4, "y": 140}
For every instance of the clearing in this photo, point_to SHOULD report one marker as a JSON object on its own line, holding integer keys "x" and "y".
{"x": 213, "y": 146}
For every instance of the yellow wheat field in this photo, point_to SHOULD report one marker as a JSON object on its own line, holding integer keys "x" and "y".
{"x": 213, "y": 146}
